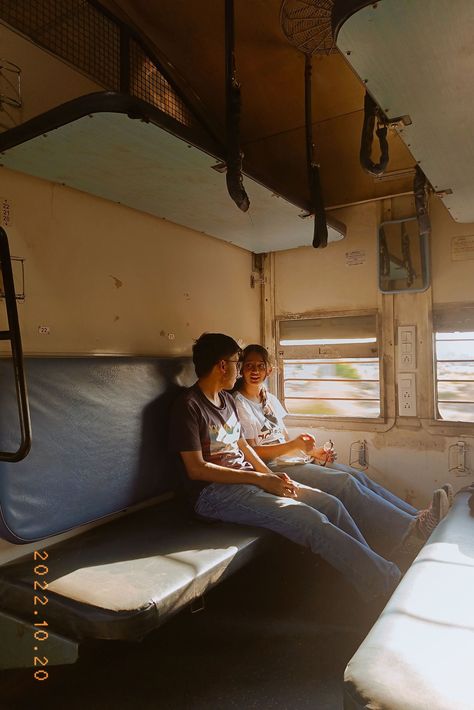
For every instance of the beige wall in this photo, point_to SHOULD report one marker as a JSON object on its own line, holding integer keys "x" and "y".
{"x": 452, "y": 280}
{"x": 105, "y": 278}
{"x": 309, "y": 279}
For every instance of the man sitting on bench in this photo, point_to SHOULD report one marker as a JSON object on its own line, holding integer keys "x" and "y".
{"x": 229, "y": 482}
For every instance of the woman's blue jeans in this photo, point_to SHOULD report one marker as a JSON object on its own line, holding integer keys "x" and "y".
{"x": 316, "y": 476}
{"x": 315, "y": 519}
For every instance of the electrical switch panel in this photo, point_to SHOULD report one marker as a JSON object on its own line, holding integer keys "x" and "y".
{"x": 406, "y": 348}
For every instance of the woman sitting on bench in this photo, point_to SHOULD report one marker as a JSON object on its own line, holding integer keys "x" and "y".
{"x": 262, "y": 419}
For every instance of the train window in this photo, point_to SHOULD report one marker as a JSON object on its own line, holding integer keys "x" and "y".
{"x": 454, "y": 363}
{"x": 329, "y": 366}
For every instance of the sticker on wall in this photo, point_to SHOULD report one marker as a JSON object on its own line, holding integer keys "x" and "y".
{"x": 355, "y": 258}
{"x": 44, "y": 330}
{"x": 462, "y": 248}
{"x": 329, "y": 352}
{"x": 6, "y": 218}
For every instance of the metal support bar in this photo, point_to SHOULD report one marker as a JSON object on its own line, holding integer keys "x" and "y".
{"x": 320, "y": 232}
{"x": 17, "y": 353}
{"x": 234, "y": 179}
{"x": 124, "y": 61}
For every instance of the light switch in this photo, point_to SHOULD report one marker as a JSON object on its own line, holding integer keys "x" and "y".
{"x": 406, "y": 348}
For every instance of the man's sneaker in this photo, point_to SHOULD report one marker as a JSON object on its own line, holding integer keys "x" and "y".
{"x": 428, "y": 519}
{"x": 448, "y": 489}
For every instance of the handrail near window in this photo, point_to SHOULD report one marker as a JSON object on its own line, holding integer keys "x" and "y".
{"x": 13, "y": 335}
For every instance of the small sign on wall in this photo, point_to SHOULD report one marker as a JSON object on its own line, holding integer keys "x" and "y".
{"x": 355, "y": 258}
{"x": 6, "y": 212}
{"x": 462, "y": 248}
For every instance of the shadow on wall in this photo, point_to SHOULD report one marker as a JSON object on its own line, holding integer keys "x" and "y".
{"x": 155, "y": 459}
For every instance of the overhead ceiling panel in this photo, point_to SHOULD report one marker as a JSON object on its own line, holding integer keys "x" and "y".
{"x": 417, "y": 59}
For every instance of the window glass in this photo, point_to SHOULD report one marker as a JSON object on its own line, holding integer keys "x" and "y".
{"x": 454, "y": 370}
{"x": 330, "y": 366}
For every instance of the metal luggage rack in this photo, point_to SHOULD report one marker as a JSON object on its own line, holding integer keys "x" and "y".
{"x": 93, "y": 41}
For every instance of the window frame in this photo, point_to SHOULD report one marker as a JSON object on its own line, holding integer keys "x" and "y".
{"x": 443, "y": 311}
{"x": 435, "y": 425}
{"x": 386, "y": 417}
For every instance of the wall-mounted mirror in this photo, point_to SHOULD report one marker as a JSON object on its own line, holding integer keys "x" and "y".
{"x": 403, "y": 257}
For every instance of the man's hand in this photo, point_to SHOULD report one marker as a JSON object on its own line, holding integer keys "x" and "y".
{"x": 322, "y": 456}
{"x": 305, "y": 442}
{"x": 280, "y": 484}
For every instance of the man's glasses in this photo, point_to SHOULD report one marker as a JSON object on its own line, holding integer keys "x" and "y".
{"x": 237, "y": 363}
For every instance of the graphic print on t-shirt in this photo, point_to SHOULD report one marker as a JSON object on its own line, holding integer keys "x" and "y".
{"x": 270, "y": 431}
{"x": 223, "y": 438}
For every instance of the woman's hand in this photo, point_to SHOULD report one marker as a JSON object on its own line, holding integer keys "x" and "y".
{"x": 304, "y": 442}
{"x": 322, "y": 456}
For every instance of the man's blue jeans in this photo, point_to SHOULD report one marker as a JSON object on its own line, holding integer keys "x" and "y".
{"x": 316, "y": 520}
{"x": 382, "y": 518}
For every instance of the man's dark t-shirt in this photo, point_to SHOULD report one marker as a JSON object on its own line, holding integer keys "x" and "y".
{"x": 199, "y": 425}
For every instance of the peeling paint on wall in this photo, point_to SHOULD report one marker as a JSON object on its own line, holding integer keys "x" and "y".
{"x": 117, "y": 282}
{"x": 418, "y": 440}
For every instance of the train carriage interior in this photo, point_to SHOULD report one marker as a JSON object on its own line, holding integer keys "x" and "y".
{"x": 294, "y": 173}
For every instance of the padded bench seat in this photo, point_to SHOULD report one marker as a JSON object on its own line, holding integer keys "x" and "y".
{"x": 123, "y": 579}
{"x": 420, "y": 653}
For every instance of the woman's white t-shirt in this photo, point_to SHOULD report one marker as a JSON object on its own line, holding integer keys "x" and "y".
{"x": 264, "y": 424}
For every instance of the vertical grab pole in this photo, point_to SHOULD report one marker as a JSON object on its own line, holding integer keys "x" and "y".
{"x": 13, "y": 335}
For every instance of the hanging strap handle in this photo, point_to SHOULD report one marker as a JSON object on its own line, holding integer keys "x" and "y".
{"x": 234, "y": 179}
{"x": 320, "y": 234}
{"x": 421, "y": 201}
{"x": 372, "y": 112}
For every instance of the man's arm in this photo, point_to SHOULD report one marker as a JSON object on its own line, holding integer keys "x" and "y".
{"x": 252, "y": 456}
{"x": 198, "y": 469}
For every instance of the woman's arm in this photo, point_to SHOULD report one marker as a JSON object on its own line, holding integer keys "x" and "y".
{"x": 318, "y": 453}
{"x": 268, "y": 452}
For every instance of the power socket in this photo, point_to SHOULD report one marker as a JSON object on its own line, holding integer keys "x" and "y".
{"x": 407, "y": 395}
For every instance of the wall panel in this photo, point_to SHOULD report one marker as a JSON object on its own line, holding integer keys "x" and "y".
{"x": 106, "y": 278}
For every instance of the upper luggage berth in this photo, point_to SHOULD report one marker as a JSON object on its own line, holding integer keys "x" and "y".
{"x": 416, "y": 62}
{"x": 143, "y": 143}
{"x": 119, "y": 148}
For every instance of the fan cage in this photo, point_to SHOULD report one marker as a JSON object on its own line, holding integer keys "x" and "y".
{"x": 307, "y": 25}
